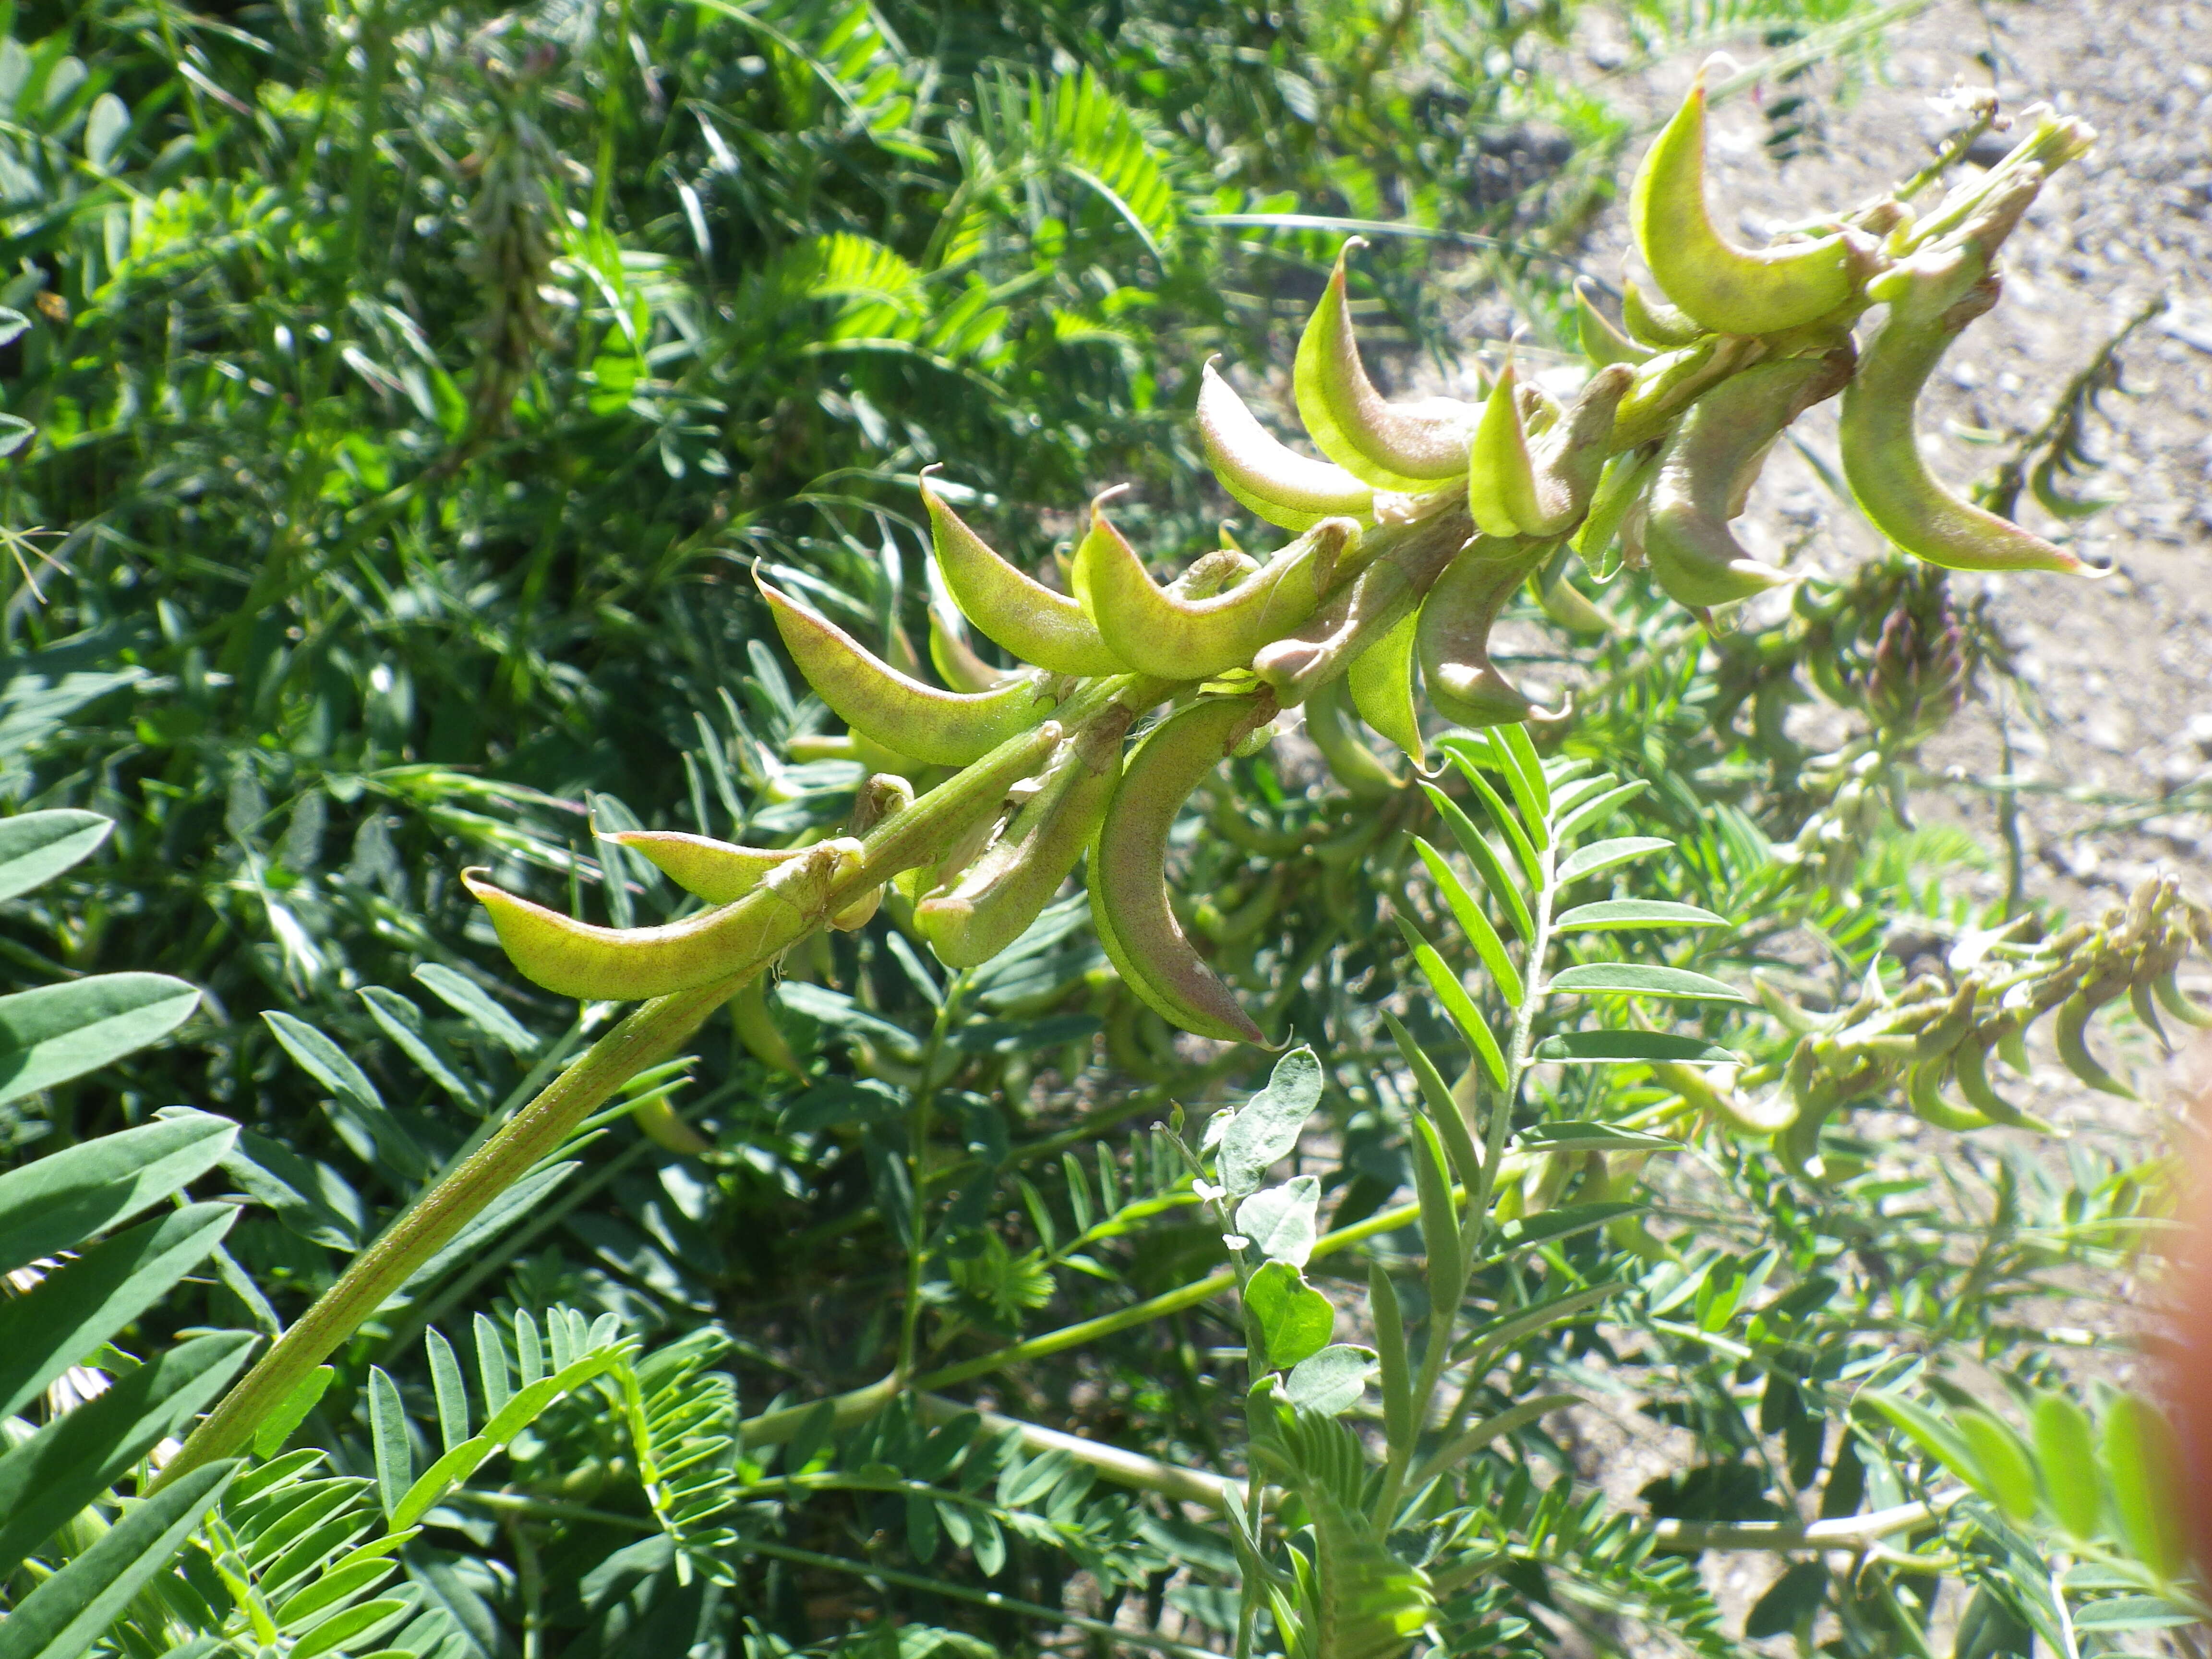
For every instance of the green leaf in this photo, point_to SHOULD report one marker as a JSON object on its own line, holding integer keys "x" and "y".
{"x": 61, "y": 1031}
{"x": 325, "y": 1061}
{"x": 2007, "y": 1470}
{"x": 1638, "y": 979}
{"x": 1440, "y": 1228}
{"x": 1457, "y": 1004}
{"x": 1553, "y": 1225}
{"x": 276, "y": 1428}
{"x": 2133, "y": 1613}
{"x": 72, "y": 1459}
{"x": 1281, "y": 1221}
{"x": 402, "y": 1021}
{"x": 1625, "y": 1048}
{"x": 453, "y": 1392}
{"x": 83, "y": 1304}
{"x": 310, "y": 1199}
{"x": 1474, "y": 923}
{"x": 353, "y": 1625}
{"x": 1444, "y": 1106}
{"x": 330, "y": 1588}
{"x": 2144, "y": 1461}
{"x": 387, "y": 1428}
{"x": 1569, "y": 1135}
{"x": 1332, "y": 1380}
{"x": 473, "y": 1004}
{"x": 1601, "y": 855}
{"x": 1932, "y": 1435}
{"x": 63, "y": 1616}
{"x": 1503, "y": 1332}
{"x": 1476, "y": 845}
{"x": 1295, "y": 1319}
{"x": 36, "y": 846}
{"x": 58, "y": 1202}
{"x": 1268, "y": 1125}
{"x": 1635, "y": 913}
{"x": 2066, "y": 1456}
{"x": 1509, "y": 824}
{"x": 1519, "y": 749}
{"x": 1789, "y": 1602}
{"x": 1599, "y": 809}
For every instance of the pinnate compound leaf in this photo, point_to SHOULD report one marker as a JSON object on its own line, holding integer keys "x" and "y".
{"x": 1457, "y": 1004}
{"x": 1473, "y": 843}
{"x": 63, "y": 1616}
{"x": 1602, "y": 855}
{"x": 1282, "y": 1222}
{"x": 1598, "y": 809}
{"x": 58, "y": 1202}
{"x": 1267, "y": 1126}
{"x": 1332, "y": 1380}
{"x": 1295, "y": 1319}
{"x": 1473, "y": 922}
{"x": 36, "y": 846}
{"x": 61, "y": 1031}
{"x": 1640, "y": 979}
{"x": 1627, "y": 1048}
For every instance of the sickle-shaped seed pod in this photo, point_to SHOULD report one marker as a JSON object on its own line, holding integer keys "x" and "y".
{"x": 1401, "y": 560}
{"x": 1210, "y": 574}
{"x": 1357, "y": 767}
{"x": 1970, "y": 1061}
{"x": 1602, "y": 341}
{"x": 718, "y": 872}
{"x": 1931, "y": 299}
{"x": 1564, "y": 603}
{"x": 1727, "y": 288}
{"x": 1655, "y": 322}
{"x": 2068, "y": 1032}
{"x": 1159, "y": 632}
{"x": 2171, "y": 997}
{"x": 1128, "y": 868}
{"x": 1514, "y": 489}
{"x": 945, "y": 728}
{"x": 625, "y": 965}
{"x": 1009, "y": 608}
{"x": 1668, "y": 383}
{"x": 1392, "y": 446}
{"x": 1381, "y": 681}
{"x": 955, "y": 659}
{"x": 1925, "y": 1090}
{"x": 1453, "y": 637}
{"x": 1627, "y": 479}
{"x": 1270, "y": 478}
{"x": 1002, "y": 891}
{"x": 1706, "y": 470}
{"x": 1935, "y": 1041}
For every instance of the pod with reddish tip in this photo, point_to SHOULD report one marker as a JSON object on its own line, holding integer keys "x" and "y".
{"x": 1706, "y": 470}
{"x": 1453, "y": 637}
{"x": 1128, "y": 868}
{"x": 1393, "y": 446}
{"x": 626, "y": 964}
{"x": 1266, "y": 475}
{"x": 1518, "y": 489}
{"x": 1159, "y": 632}
{"x": 1721, "y": 287}
{"x": 944, "y": 728}
{"x": 1004, "y": 891}
{"x": 1010, "y": 609}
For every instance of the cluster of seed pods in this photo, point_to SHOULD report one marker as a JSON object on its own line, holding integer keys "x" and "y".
{"x": 1413, "y": 530}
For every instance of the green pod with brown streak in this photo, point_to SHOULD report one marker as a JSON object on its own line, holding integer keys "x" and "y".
{"x": 1518, "y": 489}
{"x": 1010, "y": 609}
{"x": 1128, "y": 868}
{"x": 718, "y": 872}
{"x": 1159, "y": 632}
{"x": 1723, "y": 288}
{"x": 1706, "y": 470}
{"x": 944, "y": 728}
{"x": 1453, "y": 636}
{"x": 1655, "y": 323}
{"x": 1931, "y": 299}
{"x": 1392, "y": 446}
{"x": 1004, "y": 891}
{"x": 1670, "y": 383}
{"x": 1285, "y": 487}
{"x": 1602, "y": 342}
{"x": 1363, "y": 773}
{"x": 629, "y": 964}
{"x": 2069, "y": 1033}
{"x": 1400, "y": 560}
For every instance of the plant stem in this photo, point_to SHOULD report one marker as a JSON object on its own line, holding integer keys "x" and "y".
{"x": 647, "y": 1036}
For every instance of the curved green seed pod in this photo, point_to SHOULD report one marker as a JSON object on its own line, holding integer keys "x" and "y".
{"x": 1156, "y": 632}
{"x": 1937, "y": 1040}
{"x": 1931, "y": 299}
{"x": 1970, "y": 1061}
{"x": 1627, "y": 478}
{"x": 1706, "y": 470}
{"x": 1513, "y": 489}
{"x": 2068, "y": 1033}
{"x": 1010, "y": 609}
{"x": 1210, "y": 574}
{"x": 718, "y": 872}
{"x": 954, "y": 658}
{"x": 1128, "y": 868}
{"x": 1719, "y": 1099}
{"x": 1655, "y": 322}
{"x": 1452, "y": 636}
{"x": 1562, "y": 601}
{"x": 1401, "y": 560}
{"x": 1270, "y": 478}
{"x": 1381, "y": 681}
{"x": 754, "y": 1024}
{"x": 2139, "y": 999}
{"x": 2171, "y": 997}
{"x": 945, "y": 728}
{"x": 1668, "y": 383}
{"x": 1727, "y": 288}
{"x": 1002, "y": 891}
{"x": 1357, "y": 767}
{"x": 627, "y": 964}
{"x": 1926, "y": 1092}
{"x": 1392, "y": 446}
{"x": 1602, "y": 341}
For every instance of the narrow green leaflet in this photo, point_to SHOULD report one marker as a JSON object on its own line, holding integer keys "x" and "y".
{"x": 1638, "y": 979}
{"x": 1602, "y": 855}
{"x": 1457, "y": 1003}
{"x": 36, "y": 846}
{"x": 1598, "y": 809}
{"x": 61, "y": 1618}
{"x": 1565, "y": 1134}
{"x": 1634, "y": 913}
{"x": 276, "y": 1428}
{"x": 468, "y": 1000}
{"x": 2144, "y": 1461}
{"x": 58, "y": 1202}
{"x": 1476, "y": 845}
{"x": 388, "y": 1426}
{"x": 1508, "y": 822}
{"x": 61, "y": 1031}
{"x": 1468, "y": 914}
{"x": 2007, "y": 1470}
{"x": 2066, "y": 1451}
{"x": 1628, "y": 1048}
{"x": 1295, "y": 1319}
{"x": 1332, "y": 1380}
{"x": 1553, "y": 1225}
